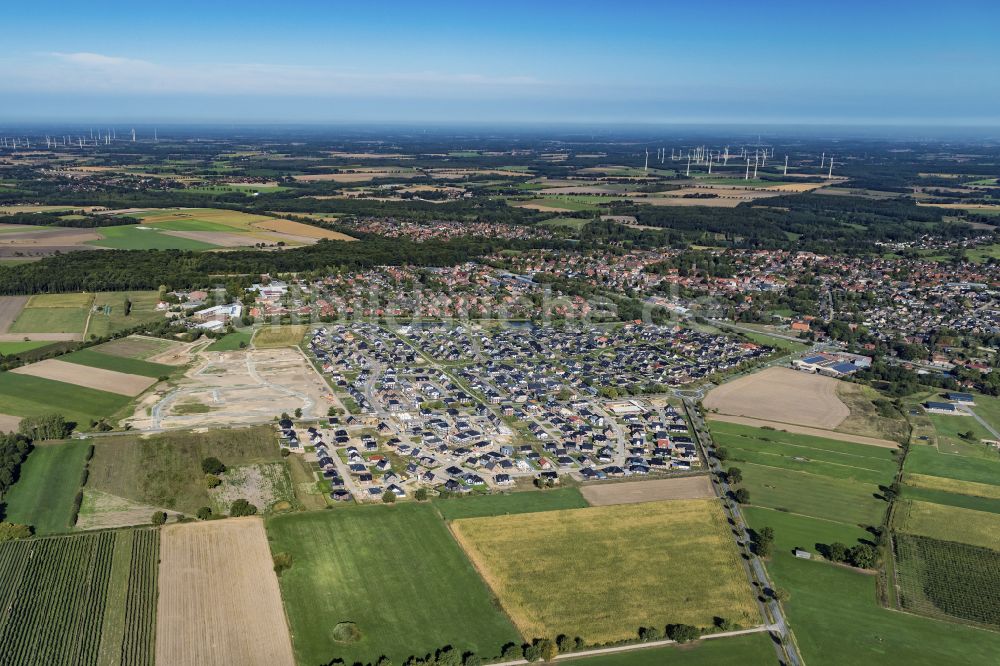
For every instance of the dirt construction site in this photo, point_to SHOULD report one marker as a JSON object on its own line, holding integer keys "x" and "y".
{"x": 237, "y": 388}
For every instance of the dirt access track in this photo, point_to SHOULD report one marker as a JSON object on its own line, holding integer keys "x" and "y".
{"x": 237, "y": 388}
{"x": 10, "y": 307}
{"x": 219, "y": 600}
{"x": 782, "y": 395}
{"x": 635, "y": 492}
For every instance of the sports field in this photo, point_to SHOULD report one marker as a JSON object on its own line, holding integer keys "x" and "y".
{"x": 218, "y": 597}
{"x": 43, "y": 495}
{"x": 476, "y": 506}
{"x": 587, "y": 572}
{"x": 428, "y": 593}
{"x": 82, "y": 600}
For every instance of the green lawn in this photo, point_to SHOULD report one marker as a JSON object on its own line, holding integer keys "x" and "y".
{"x": 50, "y": 479}
{"x": 13, "y": 348}
{"x": 778, "y": 343}
{"x": 96, "y": 359}
{"x": 50, "y": 320}
{"x": 23, "y": 395}
{"x": 231, "y": 342}
{"x": 792, "y": 531}
{"x": 952, "y": 499}
{"x": 477, "y": 506}
{"x": 396, "y": 572}
{"x": 744, "y": 650}
{"x": 131, "y": 237}
{"x": 924, "y": 459}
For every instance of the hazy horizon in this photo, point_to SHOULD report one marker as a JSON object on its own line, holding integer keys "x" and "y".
{"x": 847, "y": 64}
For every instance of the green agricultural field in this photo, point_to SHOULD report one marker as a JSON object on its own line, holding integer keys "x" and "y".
{"x": 70, "y": 300}
{"x": 951, "y": 499}
{"x": 134, "y": 347}
{"x": 50, "y": 479}
{"x": 571, "y": 203}
{"x": 477, "y": 506}
{"x": 804, "y": 453}
{"x": 924, "y": 459}
{"x": 131, "y": 237}
{"x": 82, "y": 600}
{"x": 836, "y": 620}
{"x": 165, "y": 470}
{"x": 231, "y": 342}
{"x": 241, "y": 188}
{"x": 949, "y": 523}
{"x": 50, "y": 320}
{"x": 24, "y": 395}
{"x": 574, "y": 223}
{"x": 944, "y": 578}
{"x": 950, "y": 428}
{"x": 985, "y": 490}
{"x": 763, "y": 338}
{"x": 270, "y": 337}
{"x": 95, "y": 359}
{"x": 15, "y": 348}
{"x": 109, "y": 316}
{"x": 430, "y": 594}
{"x": 588, "y": 572}
{"x": 734, "y": 651}
{"x": 793, "y": 531}
{"x": 840, "y": 500}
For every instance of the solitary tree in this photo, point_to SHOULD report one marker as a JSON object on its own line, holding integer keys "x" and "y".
{"x": 734, "y": 475}
{"x": 388, "y": 497}
{"x": 742, "y": 495}
{"x": 159, "y": 517}
{"x": 241, "y": 507}
{"x": 420, "y": 495}
{"x": 204, "y": 513}
{"x": 212, "y": 465}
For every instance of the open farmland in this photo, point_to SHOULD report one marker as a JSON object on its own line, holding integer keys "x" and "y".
{"x": 949, "y": 523}
{"x": 781, "y": 395}
{"x": 591, "y": 572}
{"x": 279, "y": 336}
{"x": 87, "y": 376}
{"x": 10, "y": 307}
{"x": 985, "y": 490}
{"x": 94, "y": 358}
{"x": 944, "y": 578}
{"x": 108, "y": 314}
{"x": 219, "y": 601}
{"x": 406, "y": 552}
{"x": 24, "y": 395}
{"x": 49, "y": 480}
{"x": 633, "y": 492}
{"x": 164, "y": 470}
{"x": 64, "y": 314}
{"x": 83, "y": 600}
{"x": 499, "y": 504}
{"x": 137, "y": 347}
{"x": 237, "y": 388}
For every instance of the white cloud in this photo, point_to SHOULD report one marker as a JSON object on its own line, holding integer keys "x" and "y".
{"x": 96, "y": 72}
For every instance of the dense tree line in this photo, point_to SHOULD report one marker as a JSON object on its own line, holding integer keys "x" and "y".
{"x": 14, "y": 449}
{"x": 63, "y": 219}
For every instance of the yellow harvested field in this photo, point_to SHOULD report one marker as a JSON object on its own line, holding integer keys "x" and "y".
{"x": 299, "y": 229}
{"x": 949, "y": 523}
{"x": 279, "y": 336}
{"x": 782, "y": 395}
{"x": 219, "y": 601}
{"x": 634, "y": 492}
{"x": 953, "y": 485}
{"x": 82, "y": 375}
{"x": 603, "y": 572}
{"x": 805, "y": 430}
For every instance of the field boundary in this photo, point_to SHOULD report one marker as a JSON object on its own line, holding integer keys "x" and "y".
{"x": 803, "y": 430}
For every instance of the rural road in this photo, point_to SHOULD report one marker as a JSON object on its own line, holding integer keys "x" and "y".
{"x": 786, "y": 650}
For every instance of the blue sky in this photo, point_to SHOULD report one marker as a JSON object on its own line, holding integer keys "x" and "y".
{"x": 848, "y": 62}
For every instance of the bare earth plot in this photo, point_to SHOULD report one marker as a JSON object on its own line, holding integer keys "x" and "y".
{"x": 10, "y": 307}
{"x": 634, "y": 492}
{"x": 237, "y": 388}
{"x": 805, "y": 430}
{"x": 782, "y": 395}
{"x": 9, "y": 423}
{"x": 219, "y": 601}
{"x": 82, "y": 375}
